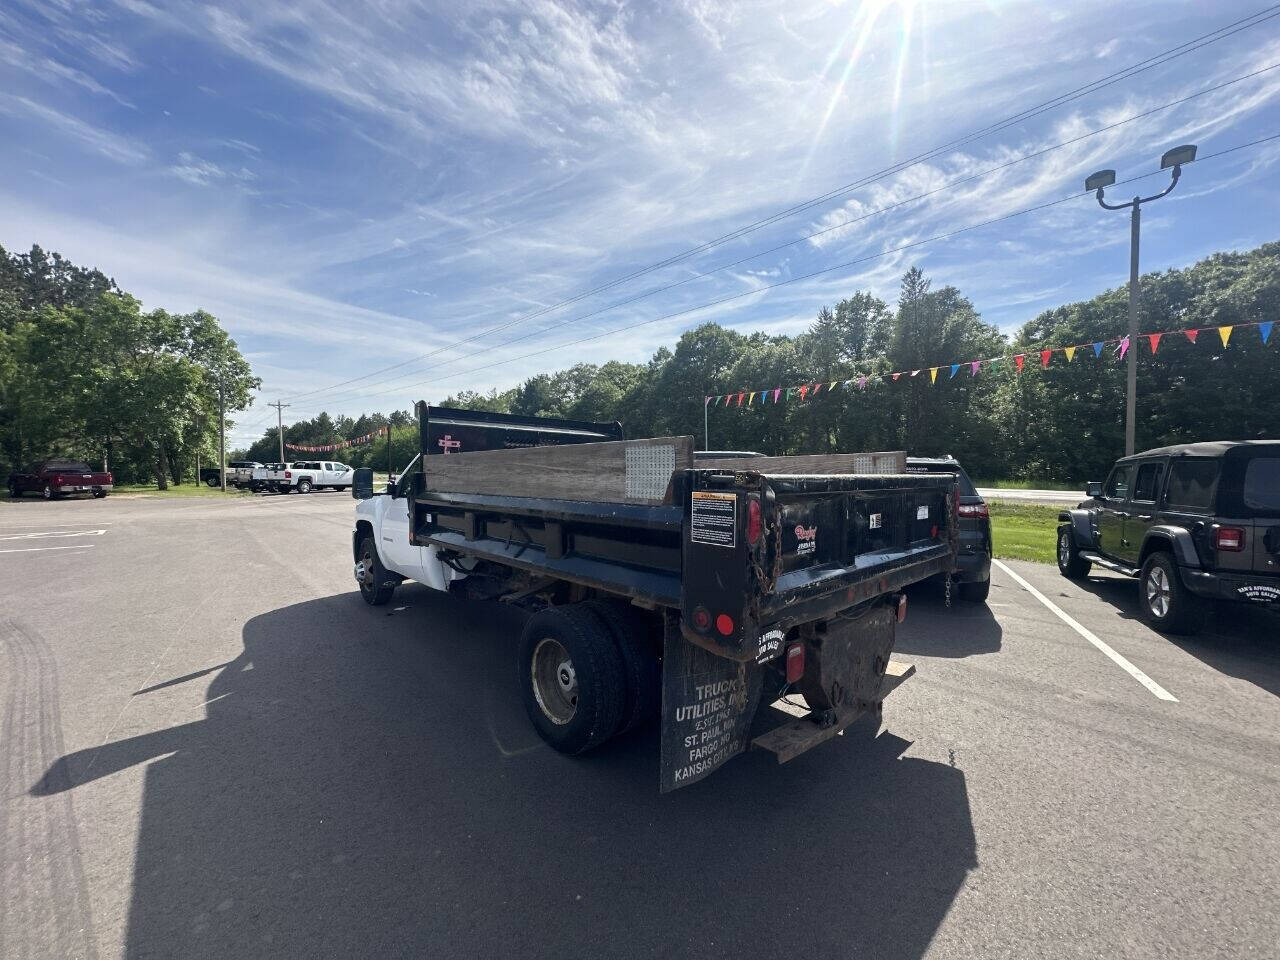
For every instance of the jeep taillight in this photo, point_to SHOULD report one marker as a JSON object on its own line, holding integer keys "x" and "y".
{"x": 1229, "y": 538}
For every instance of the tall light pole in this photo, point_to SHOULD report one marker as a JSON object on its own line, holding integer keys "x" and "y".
{"x": 280, "y": 424}
{"x": 1174, "y": 158}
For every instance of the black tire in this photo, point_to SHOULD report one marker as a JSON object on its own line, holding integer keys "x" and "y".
{"x": 48, "y": 493}
{"x": 1070, "y": 564}
{"x": 641, "y": 668}
{"x": 583, "y": 703}
{"x": 377, "y": 584}
{"x": 304, "y": 485}
{"x": 14, "y": 492}
{"x": 99, "y": 494}
{"x": 212, "y": 481}
{"x": 1163, "y": 602}
{"x": 974, "y": 591}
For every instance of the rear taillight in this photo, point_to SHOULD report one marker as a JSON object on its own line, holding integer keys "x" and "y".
{"x": 978, "y": 509}
{"x": 755, "y": 521}
{"x": 902, "y": 607}
{"x": 110, "y": 478}
{"x": 288, "y": 474}
{"x": 57, "y": 481}
{"x": 1229, "y": 538}
{"x": 795, "y": 662}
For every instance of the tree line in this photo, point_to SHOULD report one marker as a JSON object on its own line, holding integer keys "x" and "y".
{"x": 87, "y": 374}
{"x": 1060, "y": 424}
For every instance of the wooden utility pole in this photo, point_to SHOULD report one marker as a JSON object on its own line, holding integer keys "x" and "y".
{"x": 198, "y": 439}
{"x": 280, "y": 424}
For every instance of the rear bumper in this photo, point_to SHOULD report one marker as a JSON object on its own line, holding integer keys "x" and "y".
{"x": 973, "y": 564}
{"x": 1214, "y": 585}
{"x": 82, "y": 488}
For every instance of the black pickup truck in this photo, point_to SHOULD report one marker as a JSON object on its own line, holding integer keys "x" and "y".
{"x": 1193, "y": 523}
{"x": 662, "y": 586}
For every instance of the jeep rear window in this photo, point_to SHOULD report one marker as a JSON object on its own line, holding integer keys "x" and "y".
{"x": 1192, "y": 483}
{"x": 1262, "y": 484}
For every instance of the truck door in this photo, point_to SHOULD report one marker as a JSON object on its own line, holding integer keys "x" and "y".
{"x": 1114, "y": 510}
{"x": 1147, "y": 485}
{"x": 401, "y": 556}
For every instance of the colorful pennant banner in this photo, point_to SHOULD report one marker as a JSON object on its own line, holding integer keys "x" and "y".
{"x": 808, "y": 390}
{"x": 330, "y": 447}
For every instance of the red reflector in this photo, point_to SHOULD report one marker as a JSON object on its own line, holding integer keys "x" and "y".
{"x": 724, "y": 623}
{"x": 973, "y": 510}
{"x": 754, "y": 521}
{"x": 933, "y": 531}
{"x": 902, "y": 607}
{"x": 702, "y": 619}
{"x": 795, "y": 662}
{"x": 1229, "y": 538}
{"x": 288, "y": 474}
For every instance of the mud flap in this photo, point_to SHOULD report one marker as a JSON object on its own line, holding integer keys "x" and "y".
{"x": 708, "y": 704}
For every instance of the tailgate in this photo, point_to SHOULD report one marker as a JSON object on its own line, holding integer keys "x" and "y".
{"x": 763, "y": 553}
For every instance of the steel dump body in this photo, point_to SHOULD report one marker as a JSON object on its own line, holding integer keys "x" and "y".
{"x": 740, "y": 565}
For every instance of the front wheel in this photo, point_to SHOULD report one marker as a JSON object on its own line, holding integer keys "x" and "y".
{"x": 572, "y": 678}
{"x": 1163, "y": 602}
{"x": 14, "y": 492}
{"x": 376, "y": 583}
{"x": 304, "y": 486}
{"x": 1070, "y": 563}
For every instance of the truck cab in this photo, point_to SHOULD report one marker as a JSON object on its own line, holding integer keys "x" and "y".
{"x": 1193, "y": 523}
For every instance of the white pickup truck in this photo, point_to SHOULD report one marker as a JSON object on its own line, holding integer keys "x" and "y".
{"x": 303, "y": 476}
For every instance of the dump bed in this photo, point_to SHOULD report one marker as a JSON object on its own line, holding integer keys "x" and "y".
{"x": 738, "y": 552}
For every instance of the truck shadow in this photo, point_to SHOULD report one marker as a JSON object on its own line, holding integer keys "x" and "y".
{"x": 934, "y": 630}
{"x": 365, "y": 783}
{"x": 1238, "y": 639}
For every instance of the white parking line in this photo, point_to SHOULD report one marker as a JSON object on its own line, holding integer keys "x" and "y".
{"x": 79, "y": 546}
{"x": 47, "y": 534}
{"x": 1120, "y": 661}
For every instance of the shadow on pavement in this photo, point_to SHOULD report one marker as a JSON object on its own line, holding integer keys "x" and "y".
{"x": 933, "y": 630}
{"x": 1238, "y": 639}
{"x": 365, "y": 783}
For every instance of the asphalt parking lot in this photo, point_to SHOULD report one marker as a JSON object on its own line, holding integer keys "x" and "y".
{"x": 213, "y": 748}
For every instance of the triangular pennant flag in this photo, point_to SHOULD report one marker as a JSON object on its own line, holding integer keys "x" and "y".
{"x": 1124, "y": 346}
{"x": 1264, "y": 330}
{"x": 1192, "y": 334}
{"x": 750, "y": 397}
{"x": 973, "y": 367}
{"x": 833, "y": 385}
{"x": 1097, "y": 349}
{"x": 1044, "y": 357}
{"x": 915, "y": 372}
{"x": 764, "y": 395}
{"x": 862, "y": 383}
{"x": 816, "y": 388}
{"x": 740, "y": 398}
{"x": 1155, "y": 341}
{"x": 777, "y": 392}
{"x": 1070, "y": 352}
{"x": 804, "y": 392}
{"x": 933, "y": 374}
{"x": 1225, "y": 334}
{"x": 896, "y": 375}
{"x": 1019, "y": 359}
{"x": 955, "y": 367}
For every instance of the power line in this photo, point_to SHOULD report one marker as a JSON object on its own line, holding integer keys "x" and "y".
{"x": 845, "y": 223}
{"x": 1126, "y": 73}
{"x": 839, "y": 266}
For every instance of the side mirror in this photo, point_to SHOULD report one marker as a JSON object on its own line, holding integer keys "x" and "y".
{"x": 362, "y": 484}
{"x": 391, "y": 489}
{"x": 1093, "y": 489}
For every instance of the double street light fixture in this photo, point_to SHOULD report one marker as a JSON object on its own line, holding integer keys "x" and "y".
{"x": 1098, "y": 183}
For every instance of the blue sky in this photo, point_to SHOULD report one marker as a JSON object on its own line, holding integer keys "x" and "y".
{"x": 349, "y": 187}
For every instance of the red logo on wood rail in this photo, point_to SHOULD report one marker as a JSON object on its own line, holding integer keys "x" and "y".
{"x": 449, "y": 444}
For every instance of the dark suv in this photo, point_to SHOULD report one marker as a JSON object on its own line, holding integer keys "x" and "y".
{"x": 1195, "y": 522}
{"x": 973, "y": 556}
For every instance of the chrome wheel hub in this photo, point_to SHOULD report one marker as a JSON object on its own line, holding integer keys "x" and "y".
{"x": 1064, "y": 549}
{"x": 555, "y": 682}
{"x": 1159, "y": 592}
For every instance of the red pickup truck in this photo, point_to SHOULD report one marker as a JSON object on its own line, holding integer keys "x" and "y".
{"x": 53, "y": 478}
